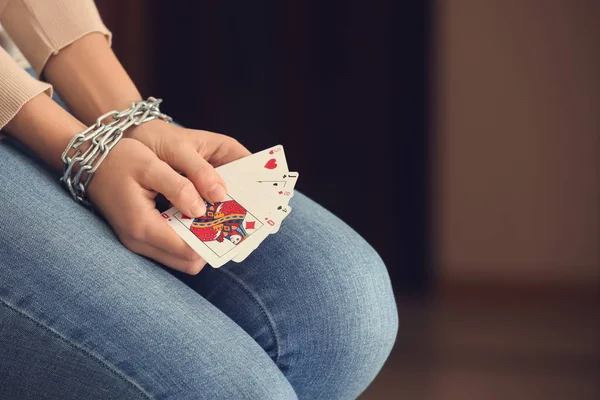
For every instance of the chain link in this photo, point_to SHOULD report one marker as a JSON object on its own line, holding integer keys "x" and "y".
{"x": 79, "y": 168}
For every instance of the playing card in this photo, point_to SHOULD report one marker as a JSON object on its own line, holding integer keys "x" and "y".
{"x": 247, "y": 251}
{"x": 272, "y": 159}
{"x": 259, "y": 189}
{"x": 227, "y": 228}
{"x": 275, "y": 199}
{"x": 284, "y": 191}
{"x": 276, "y": 191}
{"x": 283, "y": 183}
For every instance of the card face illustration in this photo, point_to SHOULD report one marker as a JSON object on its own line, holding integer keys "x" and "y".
{"x": 224, "y": 226}
{"x": 225, "y": 230}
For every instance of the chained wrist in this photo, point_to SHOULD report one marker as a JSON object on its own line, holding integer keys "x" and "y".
{"x": 137, "y": 132}
{"x": 88, "y": 149}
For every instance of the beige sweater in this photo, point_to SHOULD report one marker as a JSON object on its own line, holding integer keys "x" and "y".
{"x": 40, "y": 28}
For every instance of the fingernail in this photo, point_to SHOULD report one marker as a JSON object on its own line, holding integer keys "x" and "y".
{"x": 217, "y": 192}
{"x": 198, "y": 208}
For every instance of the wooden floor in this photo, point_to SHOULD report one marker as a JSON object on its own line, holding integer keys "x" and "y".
{"x": 470, "y": 349}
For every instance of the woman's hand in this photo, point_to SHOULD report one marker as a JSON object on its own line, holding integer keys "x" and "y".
{"x": 195, "y": 153}
{"x": 124, "y": 186}
{"x": 145, "y": 162}
{"x": 123, "y": 189}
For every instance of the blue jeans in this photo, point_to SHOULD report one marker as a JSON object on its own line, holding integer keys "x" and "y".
{"x": 310, "y": 314}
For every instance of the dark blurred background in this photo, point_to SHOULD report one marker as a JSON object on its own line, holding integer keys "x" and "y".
{"x": 342, "y": 85}
{"x": 469, "y": 130}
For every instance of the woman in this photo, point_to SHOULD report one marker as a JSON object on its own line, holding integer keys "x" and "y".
{"x": 119, "y": 306}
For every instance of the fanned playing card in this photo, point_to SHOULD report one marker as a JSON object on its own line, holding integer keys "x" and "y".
{"x": 259, "y": 189}
{"x": 269, "y": 160}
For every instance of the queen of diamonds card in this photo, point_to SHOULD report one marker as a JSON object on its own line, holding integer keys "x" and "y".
{"x": 225, "y": 225}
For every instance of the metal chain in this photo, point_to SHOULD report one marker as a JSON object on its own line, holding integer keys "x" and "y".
{"x": 79, "y": 168}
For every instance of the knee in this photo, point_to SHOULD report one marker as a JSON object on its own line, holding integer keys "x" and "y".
{"x": 354, "y": 315}
{"x": 365, "y": 306}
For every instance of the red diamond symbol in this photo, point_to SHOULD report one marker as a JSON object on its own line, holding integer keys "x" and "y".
{"x": 183, "y": 216}
{"x": 250, "y": 225}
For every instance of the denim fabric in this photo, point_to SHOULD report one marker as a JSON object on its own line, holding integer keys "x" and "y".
{"x": 310, "y": 314}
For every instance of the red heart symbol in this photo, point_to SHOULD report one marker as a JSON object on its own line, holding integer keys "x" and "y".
{"x": 271, "y": 152}
{"x": 280, "y": 192}
{"x": 271, "y": 164}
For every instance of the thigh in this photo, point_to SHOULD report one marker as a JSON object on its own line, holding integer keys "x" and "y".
{"x": 82, "y": 317}
{"x": 324, "y": 297}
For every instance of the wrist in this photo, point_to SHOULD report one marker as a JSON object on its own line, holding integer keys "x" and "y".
{"x": 86, "y": 151}
{"x": 44, "y": 127}
{"x": 139, "y": 131}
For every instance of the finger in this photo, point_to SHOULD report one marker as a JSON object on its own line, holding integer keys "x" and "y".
{"x": 160, "y": 177}
{"x": 203, "y": 175}
{"x": 191, "y": 267}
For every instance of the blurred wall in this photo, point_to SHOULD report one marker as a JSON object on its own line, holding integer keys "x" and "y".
{"x": 517, "y": 180}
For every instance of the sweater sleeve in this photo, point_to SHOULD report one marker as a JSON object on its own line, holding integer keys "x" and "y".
{"x": 17, "y": 87}
{"x": 41, "y": 28}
